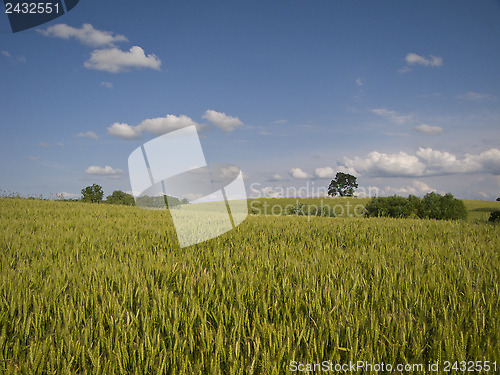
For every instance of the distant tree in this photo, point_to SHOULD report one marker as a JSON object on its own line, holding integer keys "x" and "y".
{"x": 92, "y": 194}
{"x": 498, "y": 199}
{"x": 160, "y": 201}
{"x": 442, "y": 207}
{"x": 120, "y": 197}
{"x": 343, "y": 185}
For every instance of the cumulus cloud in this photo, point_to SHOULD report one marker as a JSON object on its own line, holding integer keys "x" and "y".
{"x": 298, "y": 173}
{"x": 114, "y": 60}
{"x": 359, "y": 83}
{"x": 392, "y": 115}
{"x": 162, "y": 125}
{"x": 222, "y": 121}
{"x": 103, "y": 171}
{"x": 5, "y": 53}
{"x": 386, "y": 165}
{"x": 156, "y": 126}
{"x": 86, "y": 34}
{"x": 428, "y": 129}
{"x": 418, "y": 188}
{"x": 325, "y": 172}
{"x": 425, "y": 162}
{"x": 414, "y": 59}
{"x": 88, "y": 134}
{"x": 124, "y": 131}
{"x": 43, "y": 144}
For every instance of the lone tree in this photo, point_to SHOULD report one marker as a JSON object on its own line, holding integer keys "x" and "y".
{"x": 343, "y": 185}
{"x": 92, "y": 194}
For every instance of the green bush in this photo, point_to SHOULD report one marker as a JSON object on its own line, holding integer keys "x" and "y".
{"x": 432, "y": 206}
{"x": 442, "y": 207}
{"x": 494, "y": 217}
{"x": 395, "y": 206}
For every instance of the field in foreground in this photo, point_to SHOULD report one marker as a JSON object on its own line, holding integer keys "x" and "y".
{"x": 105, "y": 289}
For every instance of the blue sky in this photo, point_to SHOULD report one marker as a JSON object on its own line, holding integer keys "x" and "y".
{"x": 405, "y": 95}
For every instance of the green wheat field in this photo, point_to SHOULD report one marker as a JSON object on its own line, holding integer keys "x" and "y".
{"x": 104, "y": 289}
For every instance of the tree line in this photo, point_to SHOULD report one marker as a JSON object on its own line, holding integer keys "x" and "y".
{"x": 95, "y": 194}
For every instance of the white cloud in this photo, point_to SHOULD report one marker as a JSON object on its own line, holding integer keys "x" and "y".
{"x": 114, "y": 60}
{"x": 156, "y": 126}
{"x": 392, "y": 115}
{"x": 108, "y": 85}
{"x": 60, "y": 144}
{"x": 222, "y": 121}
{"x": 65, "y": 195}
{"x": 380, "y": 164}
{"x": 7, "y": 54}
{"x": 276, "y": 177}
{"x": 404, "y": 69}
{"x": 280, "y": 122}
{"x": 103, "y": 171}
{"x": 43, "y": 144}
{"x": 124, "y": 131}
{"x": 428, "y": 129}
{"x": 417, "y": 188}
{"x": 425, "y": 162}
{"x": 475, "y": 96}
{"x": 325, "y": 172}
{"x": 34, "y": 158}
{"x": 298, "y": 173}
{"x": 414, "y": 59}
{"x": 88, "y": 134}
{"x": 86, "y": 34}
{"x": 162, "y": 125}
{"x": 269, "y": 192}
{"x": 359, "y": 83}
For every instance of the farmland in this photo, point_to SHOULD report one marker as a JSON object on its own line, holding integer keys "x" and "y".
{"x": 95, "y": 288}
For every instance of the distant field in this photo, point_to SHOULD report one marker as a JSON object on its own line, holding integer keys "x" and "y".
{"x": 343, "y": 207}
{"x": 480, "y": 210}
{"x": 352, "y": 206}
{"x": 102, "y": 289}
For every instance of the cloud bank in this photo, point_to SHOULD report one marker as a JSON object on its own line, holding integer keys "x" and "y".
{"x": 425, "y": 162}
{"x": 156, "y": 126}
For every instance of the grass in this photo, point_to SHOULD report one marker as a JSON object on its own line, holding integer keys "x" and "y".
{"x": 102, "y": 289}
